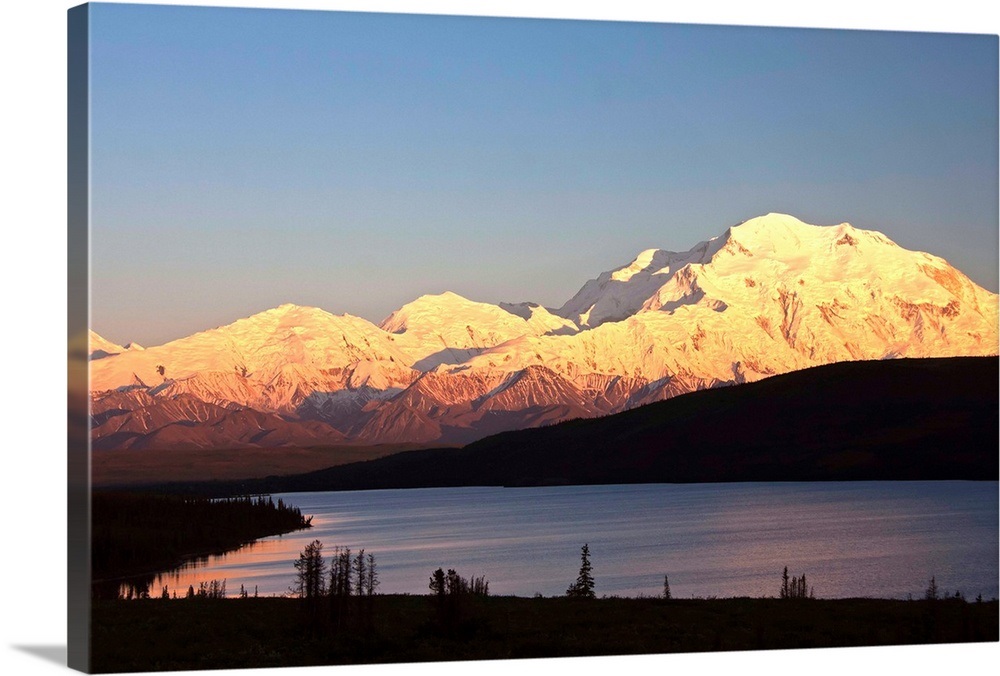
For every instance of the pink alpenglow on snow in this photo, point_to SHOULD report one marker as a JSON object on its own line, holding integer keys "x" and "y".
{"x": 768, "y": 296}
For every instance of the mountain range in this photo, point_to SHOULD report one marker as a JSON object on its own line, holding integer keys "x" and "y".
{"x": 769, "y": 296}
{"x": 888, "y": 420}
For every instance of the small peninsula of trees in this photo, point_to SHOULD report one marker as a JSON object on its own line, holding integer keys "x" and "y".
{"x": 135, "y": 533}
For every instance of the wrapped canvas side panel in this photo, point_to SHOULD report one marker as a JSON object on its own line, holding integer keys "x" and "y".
{"x": 78, "y": 423}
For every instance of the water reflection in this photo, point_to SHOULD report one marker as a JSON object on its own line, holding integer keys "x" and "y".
{"x": 881, "y": 539}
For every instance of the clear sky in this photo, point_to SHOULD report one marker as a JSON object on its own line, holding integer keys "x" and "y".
{"x": 246, "y": 158}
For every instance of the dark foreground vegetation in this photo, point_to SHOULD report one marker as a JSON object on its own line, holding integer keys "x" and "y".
{"x": 134, "y": 536}
{"x": 200, "y": 633}
{"x": 897, "y": 419}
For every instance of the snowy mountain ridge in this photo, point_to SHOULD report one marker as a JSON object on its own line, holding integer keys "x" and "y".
{"x": 768, "y": 296}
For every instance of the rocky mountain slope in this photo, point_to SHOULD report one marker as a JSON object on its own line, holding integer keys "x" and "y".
{"x": 889, "y": 420}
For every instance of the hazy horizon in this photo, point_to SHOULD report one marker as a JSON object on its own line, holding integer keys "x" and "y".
{"x": 245, "y": 158}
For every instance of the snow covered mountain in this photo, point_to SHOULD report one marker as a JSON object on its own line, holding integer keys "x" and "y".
{"x": 99, "y": 347}
{"x": 768, "y": 296}
{"x": 461, "y": 328}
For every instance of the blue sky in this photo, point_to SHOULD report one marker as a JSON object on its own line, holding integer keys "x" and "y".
{"x": 246, "y": 158}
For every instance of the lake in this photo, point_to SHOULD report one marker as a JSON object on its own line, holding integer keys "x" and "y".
{"x": 879, "y": 539}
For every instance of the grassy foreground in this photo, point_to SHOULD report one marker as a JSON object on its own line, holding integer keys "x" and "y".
{"x": 203, "y": 633}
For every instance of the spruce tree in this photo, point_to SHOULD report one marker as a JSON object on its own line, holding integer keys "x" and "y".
{"x": 584, "y": 585}
{"x": 932, "y": 590}
{"x": 359, "y": 573}
{"x": 309, "y": 576}
{"x": 371, "y": 576}
{"x": 437, "y": 583}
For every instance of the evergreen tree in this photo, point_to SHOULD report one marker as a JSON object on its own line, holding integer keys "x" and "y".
{"x": 455, "y": 584}
{"x": 666, "y": 587}
{"x": 341, "y": 585}
{"x": 584, "y": 585}
{"x": 437, "y": 583}
{"x": 480, "y": 586}
{"x": 359, "y": 573}
{"x": 217, "y": 589}
{"x": 795, "y": 587}
{"x": 309, "y": 576}
{"x": 371, "y": 577}
{"x": 340, "y": 573}
{"x": 932, "y": 590}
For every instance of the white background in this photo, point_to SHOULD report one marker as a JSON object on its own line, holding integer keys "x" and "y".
{"x": 33, "y": 325}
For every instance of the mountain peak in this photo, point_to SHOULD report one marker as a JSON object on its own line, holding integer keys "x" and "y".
{"x": 436, "y": 312}
{"x": 776, "y": 247}
{"x": 100, "y": 347}
{"x": 770, "y": 226}
{"x": 770, "y": 295}
{"x": 772, "y": 219}
{"x": 778, "y": 234}
{"x": 288, "y": 307}
{"x": 443, "y": 297}
{"x": 428, "y": 307}
{"x": 290, "y": 312}
{"x": 649, "y": 260}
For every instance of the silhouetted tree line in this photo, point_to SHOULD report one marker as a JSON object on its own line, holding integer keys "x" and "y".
{"x": 210, "y": 589}
{"x": 795, "y": 587}
{"x": 453, "y": 584}
{"x": 133, "y": 590}
{"x": 337, "y": 592}
{"x": 934, "y": 593}
{"x": 450, "y": 594}
{"x": 214, "y": 589}
{"x": 141, "y": 534}
{"x": 938, "y": 605}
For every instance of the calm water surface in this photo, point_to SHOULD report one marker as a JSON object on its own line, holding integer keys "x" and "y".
{"x": 883, "y": 539}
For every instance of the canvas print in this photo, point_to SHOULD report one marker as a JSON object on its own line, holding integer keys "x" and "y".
{"x": 411, "y": 338}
